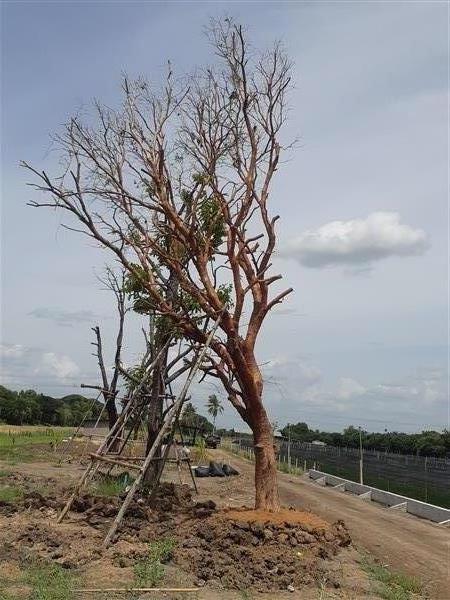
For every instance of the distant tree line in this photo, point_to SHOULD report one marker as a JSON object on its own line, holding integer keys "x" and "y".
{"x": 28, "y": 407}
{"x": 426, "y": 443}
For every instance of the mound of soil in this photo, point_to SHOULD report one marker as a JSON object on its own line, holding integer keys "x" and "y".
{"x": 31, "y": 498}
{"x": 264, "y": 551}
{"x": 232, "y": 549}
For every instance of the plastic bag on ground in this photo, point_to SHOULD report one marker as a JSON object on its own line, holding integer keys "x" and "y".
{"x": 229, "y": 470}
{"x": 201, "y": 471}
{"x": 215, "y": 470}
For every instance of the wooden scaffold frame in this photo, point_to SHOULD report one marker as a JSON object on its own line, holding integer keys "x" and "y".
{"x": 114, "y": 459}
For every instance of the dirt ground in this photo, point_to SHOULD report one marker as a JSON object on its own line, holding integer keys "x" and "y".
{"x": 216, "y": 549}
{"x": 405, "y": 542}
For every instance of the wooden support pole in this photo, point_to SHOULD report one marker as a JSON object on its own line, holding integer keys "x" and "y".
{"x": 113, "y": 461}
{"x": 166, "y": 426}
{"x": 132, "y": 589}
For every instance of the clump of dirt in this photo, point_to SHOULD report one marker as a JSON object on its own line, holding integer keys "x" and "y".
{"x": 171, "y": 497}
{"x": 37, "y": 492}
{"x": 284, "y": 516}
{"x": 232, "y": 549}
{"x": 262, "y": 554}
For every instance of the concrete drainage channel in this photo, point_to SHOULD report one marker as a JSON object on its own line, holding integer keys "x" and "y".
{"x": 438, "y": 515}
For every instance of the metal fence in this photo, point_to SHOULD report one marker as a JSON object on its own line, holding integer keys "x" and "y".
{"x": 421, "y": 477}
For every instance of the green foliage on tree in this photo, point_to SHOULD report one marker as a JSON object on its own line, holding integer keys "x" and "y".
{"x": 214, "y": 407}
{"x": 27, "y": 407}
{"x": 191, "y": 419}
{"x": 426, "y": 443}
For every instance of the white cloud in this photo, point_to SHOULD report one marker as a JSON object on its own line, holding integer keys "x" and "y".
{"x": 21, "y": 364}
{"x": 11, "y": 351}
{"x": 60, "y": 366}
{"x": 282, "y": 368}
{"x": 349, "y": 388}
{"x": 357, "y": 242}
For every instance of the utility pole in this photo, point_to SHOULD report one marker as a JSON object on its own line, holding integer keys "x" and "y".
{"x": 360, "y": 458}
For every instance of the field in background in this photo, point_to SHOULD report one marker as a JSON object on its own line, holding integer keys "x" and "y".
{"x": 30, "y": 442}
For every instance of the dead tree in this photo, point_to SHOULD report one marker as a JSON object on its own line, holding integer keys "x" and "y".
{"x": 110, "y": 384}
{"x": 177, "y": 182}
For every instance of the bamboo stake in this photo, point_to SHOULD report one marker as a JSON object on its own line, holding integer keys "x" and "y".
{"x": 113, "y": 461}
{"x": 103, "y": 590}
{"x": 168, "y": 423}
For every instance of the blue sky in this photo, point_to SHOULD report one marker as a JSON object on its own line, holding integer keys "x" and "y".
{"x": 363, "y": 199}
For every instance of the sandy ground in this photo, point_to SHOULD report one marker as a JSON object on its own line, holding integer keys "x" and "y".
{"x": 406, "y": 543}
{"x": 402, "y": 542}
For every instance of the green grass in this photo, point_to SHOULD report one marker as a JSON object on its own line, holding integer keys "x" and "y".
{"x": 16, "y": 444}
{"x": 391, "y": 585}
{"x": 110, "y": 485}
{"x": 149, "y": 571}
{"x": 48, "y": 581}
{"x": 10, "y": 493}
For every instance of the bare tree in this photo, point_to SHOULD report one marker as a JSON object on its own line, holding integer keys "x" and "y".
{"x": 110, "y": 384}
{"x": 176, "y": 185}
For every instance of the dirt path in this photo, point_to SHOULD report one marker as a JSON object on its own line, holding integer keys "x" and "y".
{"x": 404, "y": 542}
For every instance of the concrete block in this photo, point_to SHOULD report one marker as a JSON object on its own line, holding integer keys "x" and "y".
{"x": 313, "y": 474}
{"x": 356, "y": 488}
{"x": 366, "y": 496}
{"x": 428, "y": 511}
{"x": 400, "y": 506}
{"x": 424, "y": 510}
{"x": 340, "y": 487}
{"x": 387, "y": 498}
{"x": 334, "y": 481}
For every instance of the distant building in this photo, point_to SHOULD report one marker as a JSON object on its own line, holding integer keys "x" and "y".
{"x": 318, "y": 443}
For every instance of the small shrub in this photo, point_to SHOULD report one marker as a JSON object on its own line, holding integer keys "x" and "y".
{"x": 111, "y": 486}
{"x": 150, "y": 570}
{"x": 199, "y": 452}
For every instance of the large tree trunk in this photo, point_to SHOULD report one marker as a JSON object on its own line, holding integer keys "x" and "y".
{"x": 111, "y": 409}
{"x": 266, "y": 485}
{"x": 154, "y": 419}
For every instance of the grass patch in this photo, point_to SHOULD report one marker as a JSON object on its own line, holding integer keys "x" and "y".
{"x": 391, "y": 585}
{"x": 49, "y": 582}
{"x": 199, "y": 453}
{"x": 10, "y": 493}
{"x": 46, "y": 581}
{"x": 16, "y": 443}
{"x": 110, "y": 485}
{"x": 149, "y": 571}
{"x": 291, "y": 470}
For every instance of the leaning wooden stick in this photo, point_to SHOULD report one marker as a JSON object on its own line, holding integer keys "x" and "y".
{"x": 103, "y": 590}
